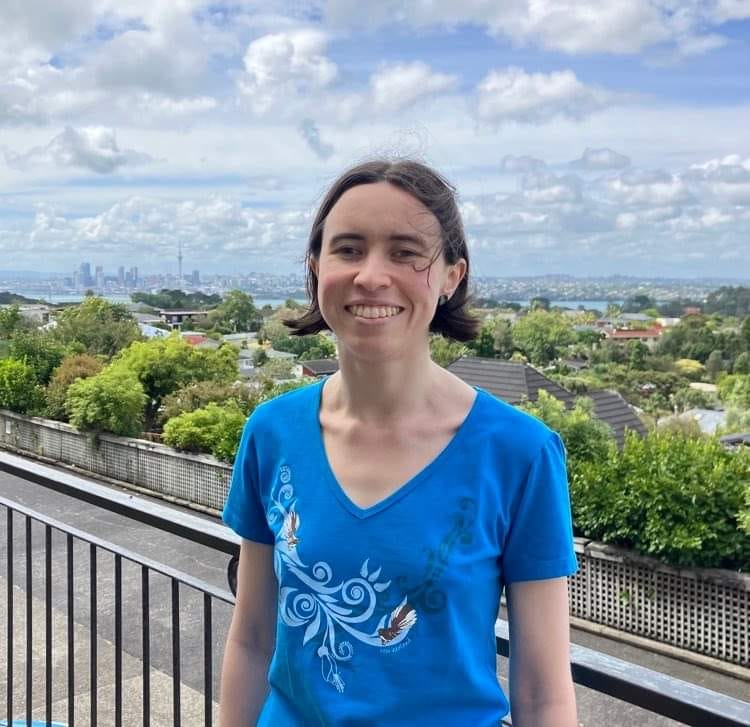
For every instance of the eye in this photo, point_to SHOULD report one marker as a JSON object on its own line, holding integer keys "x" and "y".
{"x": 346, "y": 250}
{"x": 406, "y": 254}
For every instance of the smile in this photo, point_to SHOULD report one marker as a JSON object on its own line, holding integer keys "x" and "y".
{"x": 374, "y": 311}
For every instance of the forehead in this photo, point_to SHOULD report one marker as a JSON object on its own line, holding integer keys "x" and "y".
{"x": 380, "y": 208}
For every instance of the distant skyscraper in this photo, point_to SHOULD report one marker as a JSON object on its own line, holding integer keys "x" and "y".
{"x": 85, "y": 275}
{"x": 196, "y": 277}
{"x": 99, "y": 276}
{"x": 179, "y": 264}
{"x": 134, "y": 275}
{"x": 121, "y": 275}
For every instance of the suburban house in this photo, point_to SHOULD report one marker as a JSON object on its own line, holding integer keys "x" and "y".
{"x": 519, "y": 382}
{"x": 320, "y": 367}
{"x": 649, "y": 336}
{"x": 176, "y": 318}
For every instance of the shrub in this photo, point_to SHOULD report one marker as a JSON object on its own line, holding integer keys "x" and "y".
{"x": 19, "y": 390}
{"x": 39, "y": 350}
{"x": 668, "y": 495}
{"x": 214, "y": 429}
{"x": 196, "y": 396}
{"x": 112, "y": 401}
{"x": 586, "y": 438}
{"x": 72, "y": 368}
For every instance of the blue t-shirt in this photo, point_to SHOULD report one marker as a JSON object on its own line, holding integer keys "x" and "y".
{"x": 386, "y": 614}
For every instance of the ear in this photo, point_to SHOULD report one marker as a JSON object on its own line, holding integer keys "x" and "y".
{"x": 314, "y": 265}
{"x": 455, "y": 275}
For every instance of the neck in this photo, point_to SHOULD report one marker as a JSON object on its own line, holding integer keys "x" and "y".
{"x": 383, "y": 391}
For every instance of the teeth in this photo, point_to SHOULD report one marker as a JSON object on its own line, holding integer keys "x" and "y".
{"x": 372, "y": 311}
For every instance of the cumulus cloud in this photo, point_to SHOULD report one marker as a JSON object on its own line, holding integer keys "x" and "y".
{"x": 521, "y": 164}
{"x": 515, "y": 95}
{"x": 600, "y": 160}
{"x": 311, "y": 134}
{"x": 400, "y": 85}
{"x": 570, "y": 26}
{"x": 217, "y": 229}
{"x": 91, "y": 148}
{"x": 545, "y": 188}
{"x": 281, "y": 67}
{"x": 641, "y": 187}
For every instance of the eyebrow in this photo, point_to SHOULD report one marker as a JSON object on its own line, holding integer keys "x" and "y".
{"x": 398, "y": 237}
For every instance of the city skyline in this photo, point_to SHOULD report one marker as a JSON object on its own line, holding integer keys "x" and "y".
{"x": 597, "y": 140}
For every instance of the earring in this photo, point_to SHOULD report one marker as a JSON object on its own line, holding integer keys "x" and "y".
{"x": 443, "y": 299}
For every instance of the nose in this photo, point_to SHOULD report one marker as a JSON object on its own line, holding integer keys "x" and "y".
{"x": 373, "y": 272}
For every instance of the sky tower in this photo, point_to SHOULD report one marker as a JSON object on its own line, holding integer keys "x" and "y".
{"x": 179, "y": 264}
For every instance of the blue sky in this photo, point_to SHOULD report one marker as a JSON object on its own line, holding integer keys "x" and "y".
{"x": 584, "y": 137}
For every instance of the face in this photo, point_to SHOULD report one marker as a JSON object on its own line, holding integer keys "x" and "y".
{"x": 381, "y": 270}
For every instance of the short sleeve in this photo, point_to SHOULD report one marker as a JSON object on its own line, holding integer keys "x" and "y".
{"x": 539, "y": 543}
{"x": 243, "y": 509}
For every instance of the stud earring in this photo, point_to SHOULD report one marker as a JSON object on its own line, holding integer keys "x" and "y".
{"x": 443, "y": 299}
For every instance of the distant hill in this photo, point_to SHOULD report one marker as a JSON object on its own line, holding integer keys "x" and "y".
{"x": 7, "y": 298}
{"x": 26, "y": 275}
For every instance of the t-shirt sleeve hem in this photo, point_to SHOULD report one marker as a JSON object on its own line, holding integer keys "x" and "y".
{"x": 257, "y": 535}
{"x": 540, "y": 571}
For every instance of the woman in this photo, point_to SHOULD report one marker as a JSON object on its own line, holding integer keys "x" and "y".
{"x": 383, "y": 509}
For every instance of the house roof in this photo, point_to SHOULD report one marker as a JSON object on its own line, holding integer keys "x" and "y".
{"x": 517, "y": 382}
{"x": 321, "y": 366}
{"x": 612, "y": 409}
{"x": 635, "y": 333}
{"x": 510, "y": 381}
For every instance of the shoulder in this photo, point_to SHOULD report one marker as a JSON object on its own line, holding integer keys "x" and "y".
{"x": 509, "y": 429}
{"x": 279, "y": 412}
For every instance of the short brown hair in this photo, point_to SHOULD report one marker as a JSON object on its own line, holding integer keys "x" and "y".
{"x": 451, "y": 319}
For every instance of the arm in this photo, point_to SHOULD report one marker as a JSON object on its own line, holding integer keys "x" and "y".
{"x": 541, "y": 686}
{"x": 251, "y": 638}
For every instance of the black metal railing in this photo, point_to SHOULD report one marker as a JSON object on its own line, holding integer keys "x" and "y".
{"x": 655, "y": 692}
{"x": 83, "y": 604}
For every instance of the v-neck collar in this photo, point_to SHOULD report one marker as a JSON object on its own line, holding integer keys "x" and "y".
{"x": 338, "y": 491}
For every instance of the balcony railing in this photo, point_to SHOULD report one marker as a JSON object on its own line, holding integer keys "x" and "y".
{"x": 72, "y": 597}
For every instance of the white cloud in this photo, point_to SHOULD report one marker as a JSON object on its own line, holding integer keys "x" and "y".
{"x": 600, "y": 160}
{"x": 397, "y": 86}
{"x": 521, "y": 164}
{"x": 91, "y": 148}
{"x": 216, "y": 229}
{"x": 647, "y": 188}
{"x": 570, "y": 26}
{"x": 281, "y": 67}
{"x": 515, "y": 95}
{"x": 311, "y": 134}
{"x": 544, "y": 188}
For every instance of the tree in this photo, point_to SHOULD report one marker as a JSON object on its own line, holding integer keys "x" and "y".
{"x": 111, "y": 401}
{"x": 445, "y": 350}
{"x": 734, "y": 391}
{"x": 539, "y": 302}
{"x": 236, "y": 313}
{"x": 690, "y": 368}
{"x": 714, "y": 365}
{"x": 99, "y": 326}
{"x": 637, "y": 354}
{"x": 742, "y": 363}
{"x": 541, "y": 335}
{"x": 503, "y": 338}
{"x": 19, "y": 389}
{"x": 163, "y": 365}
{"x": 277, "y": 368}
{"x": 72, "y": 368}
{"x": 484, "y": 343}
{"x": 175, "y": 299}
{"x": 10, "y": 320}
{"x": 38, "y": 350}
{"x": 637, "y": 303}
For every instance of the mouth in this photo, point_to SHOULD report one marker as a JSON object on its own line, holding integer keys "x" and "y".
{"x": 372, "y": 312}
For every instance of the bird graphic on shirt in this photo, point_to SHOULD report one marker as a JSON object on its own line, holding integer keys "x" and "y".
{"x": 291, "y": 523}
{"x": 402, "y": 619}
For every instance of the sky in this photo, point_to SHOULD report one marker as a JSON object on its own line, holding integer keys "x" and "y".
{"x": 584, "y": 137}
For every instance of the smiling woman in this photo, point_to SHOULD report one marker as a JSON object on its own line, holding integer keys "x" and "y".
{"x": 385, "y": 508}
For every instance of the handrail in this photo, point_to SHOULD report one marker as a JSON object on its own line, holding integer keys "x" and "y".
{"x": 634, "y": 684}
